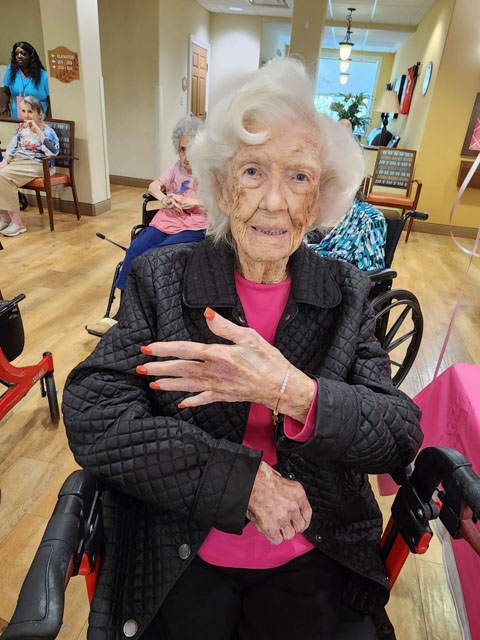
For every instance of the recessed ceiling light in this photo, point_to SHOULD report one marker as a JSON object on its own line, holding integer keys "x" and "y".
{"x": 236, "y": 9}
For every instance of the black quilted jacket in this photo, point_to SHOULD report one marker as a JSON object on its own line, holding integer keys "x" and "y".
{"x": 172, "y": 474}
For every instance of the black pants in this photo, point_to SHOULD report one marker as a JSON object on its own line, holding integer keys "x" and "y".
{"x": 300, "y": 600}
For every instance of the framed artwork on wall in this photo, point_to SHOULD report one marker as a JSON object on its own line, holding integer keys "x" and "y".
{"x": 471, "y": 144}
{"x": 399, "y": 86}
{"x": 409, "y": 87}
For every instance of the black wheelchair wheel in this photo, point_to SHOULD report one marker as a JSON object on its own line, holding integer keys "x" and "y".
{"x": 399, "y": 329}
{"x": 22, "y": 199}
{"x": 51, "y": 392}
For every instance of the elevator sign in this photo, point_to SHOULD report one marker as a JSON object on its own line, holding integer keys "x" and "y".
{"x": 63, "y": 64}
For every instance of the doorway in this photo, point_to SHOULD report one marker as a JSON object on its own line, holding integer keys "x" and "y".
{"x": 199, "y": 72}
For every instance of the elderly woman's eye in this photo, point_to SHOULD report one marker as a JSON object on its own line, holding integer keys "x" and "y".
{"x": 301, "y": 177}
{"x": 251, "y": 171}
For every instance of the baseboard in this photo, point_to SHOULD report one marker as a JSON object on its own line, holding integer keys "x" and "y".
{"x": 67, "y": 206}
{"x": 126, "y": 181}
{"x": 444, "y": 229}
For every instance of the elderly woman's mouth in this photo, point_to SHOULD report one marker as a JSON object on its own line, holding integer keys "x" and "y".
{"x": 270, "y": 232}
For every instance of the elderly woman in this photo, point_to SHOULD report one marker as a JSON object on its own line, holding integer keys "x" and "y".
{"x": 33, "y": 141}
{"x": 235, "y": 410}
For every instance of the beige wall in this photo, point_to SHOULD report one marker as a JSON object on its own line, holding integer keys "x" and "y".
{"x": 20, "y": 21}
{"x": 74, "y": 24}
{"x": 235, "y": 44}
{"x": 130, "y": 53}
{"x": 178, "y": 20}
{"x": 425, "y": 45}
{"x": 270, "y": 43}
{"x": 457, "y": 84}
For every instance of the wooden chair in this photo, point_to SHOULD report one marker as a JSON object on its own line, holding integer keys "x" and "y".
{"x": 65, "y": 130}
{"x": 394, "y": 168}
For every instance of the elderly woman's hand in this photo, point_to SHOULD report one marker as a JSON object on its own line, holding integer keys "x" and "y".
{"x": 279, "y": 508}
{"x": 249, "y": 370}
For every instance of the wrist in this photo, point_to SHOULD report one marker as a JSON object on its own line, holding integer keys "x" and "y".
{"x": 297, "y": 398}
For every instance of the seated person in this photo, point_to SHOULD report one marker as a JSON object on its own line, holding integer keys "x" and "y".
{"x": 235, "y": 411}
{"x": 359, "y": 237}
{"x": 181, "y": 220}
{"x": 33, "y": 141}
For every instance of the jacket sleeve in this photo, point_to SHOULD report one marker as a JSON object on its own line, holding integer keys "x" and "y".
{"x": 113, "y": 429}
{"x": 364, "y": 422}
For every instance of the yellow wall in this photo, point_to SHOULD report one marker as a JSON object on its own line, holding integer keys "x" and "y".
{"x": 130, "y": 51}
{"x": 424, "y": 46}
{"x": 20, "y": 21}
{"x": 178, "y": 20}
{"x": 235, "y": 44}
{"x": 457, "y": 84}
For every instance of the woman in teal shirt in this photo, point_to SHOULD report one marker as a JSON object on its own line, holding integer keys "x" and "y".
{"x": 26, "y": 76}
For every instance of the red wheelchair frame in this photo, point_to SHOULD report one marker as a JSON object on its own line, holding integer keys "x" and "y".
{"x": 73, "y": 537}
{"x": 19, "y": 380}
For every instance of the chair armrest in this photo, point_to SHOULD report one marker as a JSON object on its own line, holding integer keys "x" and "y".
{"x": 378, "y": 275}
{"x": 418, "y": 190}
{"x": 367, "y": 185}
{"x": 62, "y": 157}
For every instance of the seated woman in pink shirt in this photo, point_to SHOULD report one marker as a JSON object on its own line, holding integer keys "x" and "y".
{"x": 182, "y": 219}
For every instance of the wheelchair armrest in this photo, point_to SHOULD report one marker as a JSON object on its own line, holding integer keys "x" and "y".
{"x": 148, "y": 197}
{"x": 8, "y": 305}
{"x": 39, "y": 611}
{"x": 378, "y": 275}
{"x": 416, "y": 215}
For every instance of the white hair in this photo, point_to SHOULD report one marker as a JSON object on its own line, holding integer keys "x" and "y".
{"x": 186, "y": 126}
{"x": 281, "y": 91}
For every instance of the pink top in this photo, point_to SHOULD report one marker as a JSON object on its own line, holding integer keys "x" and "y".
{"x": 178, "y": 180}
{"x": 251, "y": 550}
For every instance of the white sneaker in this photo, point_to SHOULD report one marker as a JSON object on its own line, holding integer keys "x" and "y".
{"x": 4, "y": 225}
{"x": 13, "y": 230}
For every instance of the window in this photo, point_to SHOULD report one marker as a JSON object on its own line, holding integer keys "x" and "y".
{"x": 363, "y": 75}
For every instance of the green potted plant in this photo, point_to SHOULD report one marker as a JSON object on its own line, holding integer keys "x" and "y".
{"x": 352, "y": 107}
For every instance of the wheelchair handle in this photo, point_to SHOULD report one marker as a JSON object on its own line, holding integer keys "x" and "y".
{"x": 39, "y": 611}
{"x": 8, "y": 305}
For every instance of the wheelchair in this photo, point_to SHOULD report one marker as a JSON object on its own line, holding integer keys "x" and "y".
{"x": 72, "y": 542}
{"x": 150, "y": 206}
{"x": 17, "y": 381}
{"x": 398, "y": 316}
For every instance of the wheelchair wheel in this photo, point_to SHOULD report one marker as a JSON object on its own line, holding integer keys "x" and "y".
{"x": 23, "y": 202}
{"x": 399, "y": 329}
{"x": 51, "y": 393}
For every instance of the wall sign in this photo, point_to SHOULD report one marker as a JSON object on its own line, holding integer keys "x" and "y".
{"x": 63, "y": 64}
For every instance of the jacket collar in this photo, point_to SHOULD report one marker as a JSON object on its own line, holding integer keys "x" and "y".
{"x": 209, "y": 277}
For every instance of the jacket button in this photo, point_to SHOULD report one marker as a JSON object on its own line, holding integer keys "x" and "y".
{"x": 130, "y": 628}
{"x": 184, "y": 551}
{"x": 318, "y": 537}
{"x": 290, "y": 476}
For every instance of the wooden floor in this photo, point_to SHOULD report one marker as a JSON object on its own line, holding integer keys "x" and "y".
{"x": 66, "y": 277}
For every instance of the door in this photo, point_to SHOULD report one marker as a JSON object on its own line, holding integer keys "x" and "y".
{"x": 198, "y": 81}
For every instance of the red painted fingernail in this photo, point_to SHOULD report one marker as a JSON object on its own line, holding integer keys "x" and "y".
{"x": 142, "y": 370}
{"x": 146, "y": 350}
{"x": 155, "y": 385}
{"x": 180, "y": 405}
{"x": 209, "y": 313}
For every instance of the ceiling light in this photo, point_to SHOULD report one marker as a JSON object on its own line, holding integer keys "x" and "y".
{"x": 344, "y": 64}
{"x": 346, "y": 45}
{"x": 235, "y": 8}
{"x": 344, "y": 78}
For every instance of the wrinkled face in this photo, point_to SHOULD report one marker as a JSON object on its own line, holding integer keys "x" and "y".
{"x": 271, "y": 193}
{"x": 22, "y": 58}
{"x": 182, "y": 152}
{"x": 29, "y": 113}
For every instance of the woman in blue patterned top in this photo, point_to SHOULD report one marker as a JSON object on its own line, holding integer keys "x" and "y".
{"x": 33, "y": 141}
{"x": 359, "y": 237}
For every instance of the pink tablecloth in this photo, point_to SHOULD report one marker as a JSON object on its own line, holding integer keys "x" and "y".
{"x": 451, "y": 418}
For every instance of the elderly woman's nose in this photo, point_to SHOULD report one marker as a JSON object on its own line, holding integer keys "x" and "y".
{"x": 274, "y": 198}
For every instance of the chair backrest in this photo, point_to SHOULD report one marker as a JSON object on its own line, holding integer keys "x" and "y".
{"x": 65, "y": 130}
{"x": 394, "y": 168}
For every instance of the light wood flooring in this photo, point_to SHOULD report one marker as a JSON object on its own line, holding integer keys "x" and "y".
{"x": 66, "y": 276}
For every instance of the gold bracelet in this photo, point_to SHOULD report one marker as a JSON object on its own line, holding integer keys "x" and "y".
{"x": 284, "y": 386}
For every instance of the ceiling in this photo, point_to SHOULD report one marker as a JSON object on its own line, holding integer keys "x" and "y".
{"x": 389, "y": 15}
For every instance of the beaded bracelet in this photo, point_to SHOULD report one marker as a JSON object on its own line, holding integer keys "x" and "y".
{"x": 284, "y": 386}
